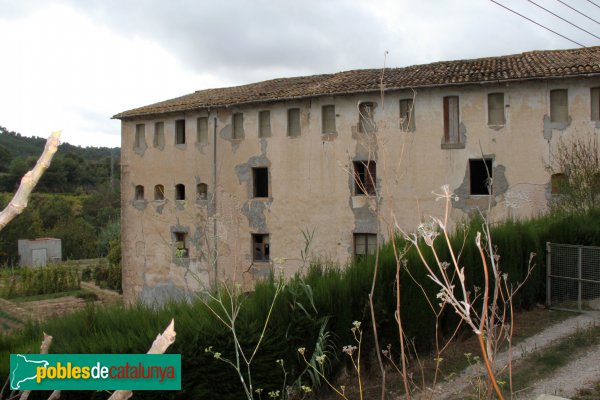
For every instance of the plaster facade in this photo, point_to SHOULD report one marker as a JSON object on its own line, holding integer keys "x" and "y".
{"x": 173, "y": 248}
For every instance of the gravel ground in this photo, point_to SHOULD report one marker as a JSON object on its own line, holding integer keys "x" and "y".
{"x": 564, "y": 382}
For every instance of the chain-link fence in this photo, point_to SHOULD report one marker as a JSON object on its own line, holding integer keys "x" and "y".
{"x": 573, "y": 277}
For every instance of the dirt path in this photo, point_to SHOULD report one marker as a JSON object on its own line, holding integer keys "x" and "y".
{"x": 578, "y": 374}
{"x": 566, "y": 381}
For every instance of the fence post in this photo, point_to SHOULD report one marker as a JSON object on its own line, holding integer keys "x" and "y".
{"x": 548, "y": 272}
{"x": 579, "y": 251}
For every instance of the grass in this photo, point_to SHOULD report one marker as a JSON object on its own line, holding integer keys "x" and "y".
{"x": 543, "y": 363}
{"x": 10, "y": 317}
{"x": 84, "y": 294}
{"x": 590, "y": 393}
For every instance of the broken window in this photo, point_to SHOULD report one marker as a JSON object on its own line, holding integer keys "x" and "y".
{"x": 365, "y": 177}
{"x": 559, "y": 105}
{"x": 451, "y": 120}
{"x": 294, "y": 122}
{"x": 140, "y": 136}
{"x": 202, "y": 130}
{"x": 181, "y": 248}
{"x": 159, "y": 192}
{"x": 365, "y": 243}
{"x": 407, "y": 115}
{"x": 260, "y": 178}
{"x": 366, "y": 117}
{"x": 496, "y": 109}
{"x": 264, "y": 124}
{"x": 595, "y": 100}
{"x": 260, "y": 247}
{"x": 159, "y": 135}
{"x": 237, "y": 121}
{"x": 139, "y": 192}
{"x": 480, "y": 173}
{"x": 180, "y": 191}
{"x": 328, "y": 119}
{"x": 180, "y": 131}
{"x": 201, "y": 191}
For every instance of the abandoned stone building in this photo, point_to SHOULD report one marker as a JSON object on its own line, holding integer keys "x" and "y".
{"x": 226, "y": 183}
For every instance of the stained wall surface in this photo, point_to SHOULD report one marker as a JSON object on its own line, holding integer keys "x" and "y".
{"x": 311, "y": 180}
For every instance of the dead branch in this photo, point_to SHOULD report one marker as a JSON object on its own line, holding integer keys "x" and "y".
{"x": 159, "y": 346}
{"x": 29, "y": 180}
{"x": 43, "y": 350}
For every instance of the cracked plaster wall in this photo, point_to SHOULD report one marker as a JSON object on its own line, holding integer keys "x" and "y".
{"x": 310, "y": 184}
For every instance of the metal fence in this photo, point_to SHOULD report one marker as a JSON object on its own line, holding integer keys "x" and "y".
{"x": 573, "y": 277}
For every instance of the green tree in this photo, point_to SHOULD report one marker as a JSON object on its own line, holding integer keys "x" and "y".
{"x": 78, "y": 238}
{"x": 5, "y": 158}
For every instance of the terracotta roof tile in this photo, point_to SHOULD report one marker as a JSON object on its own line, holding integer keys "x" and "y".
{"x": 530, "y": 65}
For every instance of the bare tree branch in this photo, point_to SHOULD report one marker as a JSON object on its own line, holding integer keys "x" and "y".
{"x": 43, "y": 350}
{"x": 159, "y": 346}
{"x": 29, "y": 180}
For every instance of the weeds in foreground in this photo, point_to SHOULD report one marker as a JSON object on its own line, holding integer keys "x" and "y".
{"x": 226, "y": 305}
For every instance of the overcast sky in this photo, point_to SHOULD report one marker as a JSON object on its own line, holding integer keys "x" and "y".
{"x": 72, "y": 64}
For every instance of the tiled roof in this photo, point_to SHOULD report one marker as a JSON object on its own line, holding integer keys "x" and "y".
{"x": 530, "y": 65}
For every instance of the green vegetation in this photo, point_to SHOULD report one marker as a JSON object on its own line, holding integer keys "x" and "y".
{"x": 105, "y": 276}
{"x": 20, "y": 282}
{"x": 76, "y": 200}
{"x": 313, "y": 311}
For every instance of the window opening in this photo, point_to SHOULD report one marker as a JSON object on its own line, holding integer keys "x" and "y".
{"x": 294, "y": 122}
{"x": 238, "y": 126}
{"x": 595, "y": 102}
{"x": 328, "y": 119}
{"x": 139, "y": 192}
{"x": 202, "y": 191}
{"x": 181, "y": 249}
{"x": 365, "y": 178}
{"x": 451, "y": 120}
{"x": 559, "y": 105}
{"x": 264, "y": 124}
{"x": 140, "y": 135}
{"x": 480, "y": 173}
{"x": 365, "y": 243}
{"x": 202, "y": 130}
{"x": 366, "y": 118}
{"x": 496, "y": 109}
{"x": 260, "y": 178}
{"x": 180, "y": 192}
{"x": 159, "y": 192}
{"x": 180, "y": 131}
{"x": 260, "y": 247}
{"x": 407, "y": 115}
{"x": 159, "y": 134}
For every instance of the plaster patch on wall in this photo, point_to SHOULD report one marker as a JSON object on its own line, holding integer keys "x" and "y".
{"x": 261, "y": 270}
{"x": 226, "y": 133}
{"x": 244, "y": 171}
{"x": 549, "y": 126}
{"x": 255, "y": 212}
{"x": 159, "y": 206}
{"x": 597, "y": 125}
{"x": 160, "y": 294}
{"x": 139, "y": 204}
{"x": 470, "y": 204}
{"x": 141, "y": 149}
